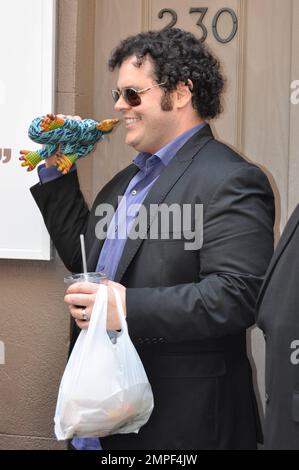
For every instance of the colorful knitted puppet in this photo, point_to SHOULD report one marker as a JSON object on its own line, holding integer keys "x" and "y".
{"x": 72, "y": 139}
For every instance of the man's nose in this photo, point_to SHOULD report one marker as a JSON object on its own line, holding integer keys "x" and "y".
{"x": 121, "y": 104}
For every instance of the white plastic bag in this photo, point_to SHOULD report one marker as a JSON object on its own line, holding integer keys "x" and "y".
{"x": 104, "y": 389}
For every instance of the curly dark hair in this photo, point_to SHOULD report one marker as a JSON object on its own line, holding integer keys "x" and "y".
{"x": 178, "y": 56}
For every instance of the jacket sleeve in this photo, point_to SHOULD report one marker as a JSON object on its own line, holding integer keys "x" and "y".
{"x": 237, "y": 247}
{"x": 66, "y": 216}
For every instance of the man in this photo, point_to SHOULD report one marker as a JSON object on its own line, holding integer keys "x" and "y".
{"x": 187, "y": 309}
{"x": 278, "y": 317}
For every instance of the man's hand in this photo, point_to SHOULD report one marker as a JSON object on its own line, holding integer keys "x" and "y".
{"x": 81, "y": 296}
{"x": 51, "y": 161}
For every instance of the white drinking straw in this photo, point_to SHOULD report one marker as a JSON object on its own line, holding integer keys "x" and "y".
{"x": 83, "y": 253}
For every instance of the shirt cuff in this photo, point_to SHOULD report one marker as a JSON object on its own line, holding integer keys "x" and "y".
{"x": 51, "y": 173}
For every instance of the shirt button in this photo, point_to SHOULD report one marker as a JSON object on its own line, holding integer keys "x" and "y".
{"x": 267, "y": 398}
{"x": 134, "y": 192}
{"x": 116, "y": 228}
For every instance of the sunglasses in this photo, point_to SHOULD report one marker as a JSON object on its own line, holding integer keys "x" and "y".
{"x": 130, "y": 95}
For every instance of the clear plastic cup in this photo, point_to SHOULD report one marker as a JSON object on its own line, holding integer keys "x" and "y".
{"x": 96, "y": 277}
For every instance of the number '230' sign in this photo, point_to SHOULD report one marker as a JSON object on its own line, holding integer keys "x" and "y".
{"x": 202, "y": 12}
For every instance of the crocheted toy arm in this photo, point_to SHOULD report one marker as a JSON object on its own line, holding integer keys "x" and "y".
{"x": 32, "y": 158}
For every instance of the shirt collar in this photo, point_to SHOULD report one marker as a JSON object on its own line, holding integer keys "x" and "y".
{"x": 145, "y": 161}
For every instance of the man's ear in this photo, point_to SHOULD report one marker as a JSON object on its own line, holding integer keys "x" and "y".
{"x": 183, "y": 93}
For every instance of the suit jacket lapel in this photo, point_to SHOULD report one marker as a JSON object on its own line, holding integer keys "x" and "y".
{"x": 111, "y": 198}
{"x": 282, "y": 244}
{"x": 168, "y": 178}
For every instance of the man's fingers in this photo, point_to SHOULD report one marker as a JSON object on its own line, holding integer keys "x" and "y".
{"x": 81, "y": 300}
{"x": 82, "y": 314}
{"x": 83, "y": 287}
{"x": 83, "y": 325}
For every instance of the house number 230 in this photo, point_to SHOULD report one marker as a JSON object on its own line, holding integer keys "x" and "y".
{"x": 202, "y": 12}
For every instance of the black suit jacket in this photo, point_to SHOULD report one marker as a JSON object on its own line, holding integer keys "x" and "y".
{"x": 187, "y": 311}
{"x": 278, "y": 316}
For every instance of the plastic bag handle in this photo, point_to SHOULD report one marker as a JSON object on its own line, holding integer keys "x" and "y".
{"x": 98, "y": 320}
{"x": 120, "y": 310}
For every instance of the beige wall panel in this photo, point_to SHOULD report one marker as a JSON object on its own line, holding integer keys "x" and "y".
{"x": 65, "y": 103}
{"x": 114, "y": 20}
{"x": 265, "y": 115}
{"x": 29, "y": 443}
{"x": 294, "y": 115}
{"x": 85, "y": 47}
{"x": 66, "y": 41}
{"x": 34, "y": 326}
{"x": 266, "y": 92}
